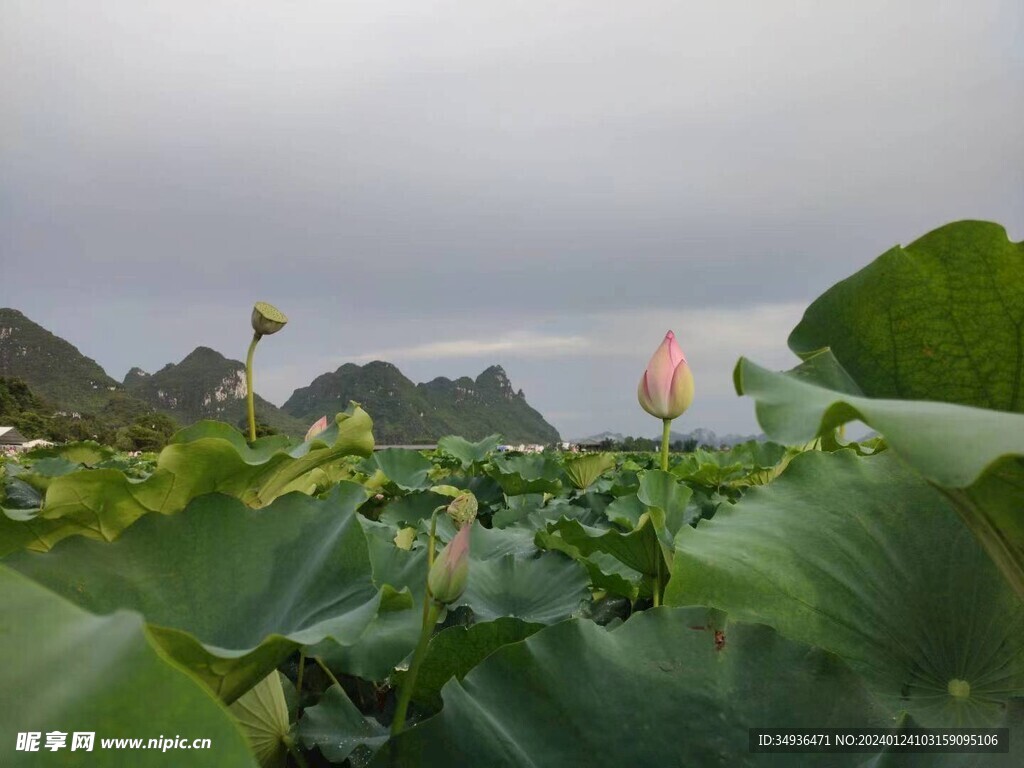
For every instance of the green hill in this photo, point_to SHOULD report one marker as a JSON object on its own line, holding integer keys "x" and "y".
{"x": 404, "y": 412}
{"x": 206, "y": 385}
{"x": 53, "y": 368}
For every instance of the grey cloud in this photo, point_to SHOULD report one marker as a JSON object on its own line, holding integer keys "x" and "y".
{"x": 404, "y": 173}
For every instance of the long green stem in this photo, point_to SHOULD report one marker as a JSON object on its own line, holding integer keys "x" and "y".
{"x": 433, "y": 610}
{"x": 327, "y": 671}
{"x": 250, "y": 400}
{"x": 666, "y": 431}
{"x": 293, "y": 749}
{"x": 298, "y": 678}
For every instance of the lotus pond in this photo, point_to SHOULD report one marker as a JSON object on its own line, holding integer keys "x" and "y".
{"x": 271, "y": 596}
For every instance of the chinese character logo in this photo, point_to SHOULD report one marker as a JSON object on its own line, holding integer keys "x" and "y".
{"x": 28, "y": 742}
{"x": 84, "y": 741}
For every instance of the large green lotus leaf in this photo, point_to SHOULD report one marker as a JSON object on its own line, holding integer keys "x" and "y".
{"x": 454, "y": 651}
{"x": 413, "y": 507}
{"x": 200, "y": 458}
{"x": 393, "y": 635}
{"x": 489, "y": 543}
{"x": 663, "y": 491}
{"x": 1012, "y": 721}
{"x": 626, "y": 511}
{"x": 230, "y": 590}
{"x": 19, "y": 506}
{"x": 209, "y": 457}
{"x": 940, "y": 319}
{"x": 861, "y": 557}
{"x": 262, "y": 714}
{"x": 405, "y": 468}
{"x": 748, "y": 463}
{"x": 466, "y": 452}
{"x": 44, "y": 470}
{"x": 70, "y": 671}
{"x": 662, "y": 689}
{"x": 86, "y": 452}
{"x": 582, "y": 471}
{"x": 976, "y": 456}
{"x": 638, "y": 549}
{"x": 532, "y": 473}
{"x": 543, "y": 589}
{"x": 338, "y": 728}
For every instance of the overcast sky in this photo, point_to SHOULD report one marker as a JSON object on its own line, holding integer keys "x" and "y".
{"x": 447, "y": 185}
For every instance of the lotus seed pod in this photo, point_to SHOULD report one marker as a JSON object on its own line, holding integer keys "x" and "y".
{"x": 463, "y": 509}
{"x": 267, "y": 319}
{"x": 450, "y": 571}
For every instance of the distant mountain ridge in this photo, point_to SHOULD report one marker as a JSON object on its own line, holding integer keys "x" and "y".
{"x": 207, "y": 385}
{"x": 405, "y": 412}
{"x": 51, "y": 366}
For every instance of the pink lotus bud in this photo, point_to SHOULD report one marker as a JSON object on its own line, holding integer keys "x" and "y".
{"x": 450, "y": 571}
{"x": 666, "y": 388}
{"x": 317, "y": 428}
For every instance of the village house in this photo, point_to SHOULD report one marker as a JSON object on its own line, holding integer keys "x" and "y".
{"x": 11, "y": 439}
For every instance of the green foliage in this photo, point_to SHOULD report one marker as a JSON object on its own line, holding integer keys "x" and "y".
{"x": 124, "y": 422}
{"x": 861, "y": 557}
{"x": 533, "y": 473}
{"x": 940, "y": 319}
{"x": 16, "y": 397}
{"x": 406, "y": 469}
{"x": 454, "y": 651}
{"x": 468, "y": 454}
{"x": 975, "y": 456}
{"x": 206, "y": 458}
{"x": 262, "y": 714}
{"x": 657, "y": 691}
{"x": 54, "y": 369}
{"x": 813, "y": 582}
{"x": 70, "y": 670}
{"x": 582, "y": 471}
{"x": 212, "y": 577}
{"x": 337, "y": 728}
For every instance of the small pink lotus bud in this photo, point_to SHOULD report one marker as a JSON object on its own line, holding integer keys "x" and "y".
{"x": 317, "y": 428}
{"x": 666, "y": 388}
{"x": 450, "y": 571}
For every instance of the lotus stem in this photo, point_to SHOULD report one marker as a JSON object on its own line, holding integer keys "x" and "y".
{"x": 249, "y": 398}
{"x": 327, "y": 671}
{"x": 294, "y": 751}
{"x": 666, "y": 432}
{"x": 431, "y": 610}
{"x": 298, "y": 677}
